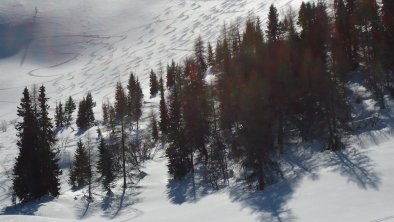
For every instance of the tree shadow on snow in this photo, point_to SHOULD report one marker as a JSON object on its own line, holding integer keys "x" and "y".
{"x": 114, "y": 203}
{"x": 356, "y": 166}
{"x": 189, "y": 189}
{"x": 271, "y": 203}
{"x": 29, "y": 208}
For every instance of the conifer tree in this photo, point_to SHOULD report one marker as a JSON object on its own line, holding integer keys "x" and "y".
{"x": 85, "y": 117}
{"x": 199, "y": 53}
{"x": 105, "y": 165}
{"x": 120, "y": 102}
{"x": 80, "y": 171}
{"x": 138, "y": 97}
{"x": 36, "y": 169}
{"x": 211, "y": 56}
{"x": 26, "y": 177}
{"x": 170, "y": 76}
{"x": 130, "y": 95}
{"x": 105, "y": 109}
{"x": 59, "y": 115}
{"x": 163, "y": 124}
{"x": 49, "y": 161}
{"x": 69, "y": 109}
{"x": 89, "y": 108}
{"x": 273, "y": 28}
{"x": 155, "y": 130}
{"x": 178, "y": 154}
{"x": 153, "y": 83}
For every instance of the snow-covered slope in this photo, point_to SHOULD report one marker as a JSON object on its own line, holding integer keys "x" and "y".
{"x": 77, "y": 46}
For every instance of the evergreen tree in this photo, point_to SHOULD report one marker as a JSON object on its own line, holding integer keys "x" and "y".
{"x": 178, "y": 154}
{"x": 49, "y": 168}
{"x": 105, "y": 109}
{"x": 211, "y": 56}
{"x": 155, "y": 131}
{"x": 85, "y": 117}
{"x": 138, "y": 97}
{"x": 105, "y": 165}
{"x": 80, "y": 171}
{"x": 130, "y": 95}
{"x": 89, "y": 109}
{"x": 273, "y": 28}
{"x": 82, "y": 120}
{"x": 120, "y": 102}
{"x": 170, "y": 76}
{"x": 153, "y": 83}
{"x": 59, "y": 115}
{"x": 199, "y": 53}
{"x": 36, "y": 169}
{"x": 26, "y": 177}
{"x": 163, "y": 124}
{"x": 69, "y": 109}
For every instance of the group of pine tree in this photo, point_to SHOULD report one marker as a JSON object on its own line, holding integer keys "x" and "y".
{"x": 36, "y": 170}
{"x": 290, "y": 77}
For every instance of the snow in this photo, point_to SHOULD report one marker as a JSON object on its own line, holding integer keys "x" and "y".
{"x": 81, "y": 46}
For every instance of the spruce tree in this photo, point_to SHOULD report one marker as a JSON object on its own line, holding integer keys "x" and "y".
{"x": 89, "y": 109}
{"x": 26, "y": 172}
{"x": 69, "y": 108}
{"x": 170, "y": 77}
{"x": 85, "y": 117}
{"x": 199, "y": 53}
{"x": 130, "y": 95}
{"x": 59, "y": 115}
{"x": 211, "y": 56}
{"x": 105, "y": 165}
{"x": 154, "y": 129}
{"x": 120, "y": 102}
{"x": 80, "y": 171}
{"x": 49, "y": 181}
{"x": 273, "y": 29}
{"x": 153, "y": 83}
{"x": 178, "y": 154}
{"x": 163, "y": 124}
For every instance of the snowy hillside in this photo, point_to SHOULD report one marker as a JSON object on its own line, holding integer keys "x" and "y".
{"x": 78, "y": 46}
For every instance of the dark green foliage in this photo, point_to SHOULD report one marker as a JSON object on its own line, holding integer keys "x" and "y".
{"x": 25, "y": 181}
{"x": 163, "y": 124}
{"x": 80, "y": 171}
{"x": 153, "y": 83}
{"x": 36, "y": 169}
{"x": 105, "y": 165}
{"x": 171, "y": 72}
{"x": 131, "y": 88}
{"x": 178, "y": 153}
{"x": 120, "y": 102}
{"x": 137, "y": 101}
{"x": 154, "y": 128}
{"x": 199, "y": 53}
{"x": 49, "y": 181}
{"x": 210, "y": 56}
{"x": 273, "y": 28}
{"x": 59, "y": 115}
{"x": 85, "y": 117}
{"x": 69, "y": 109}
